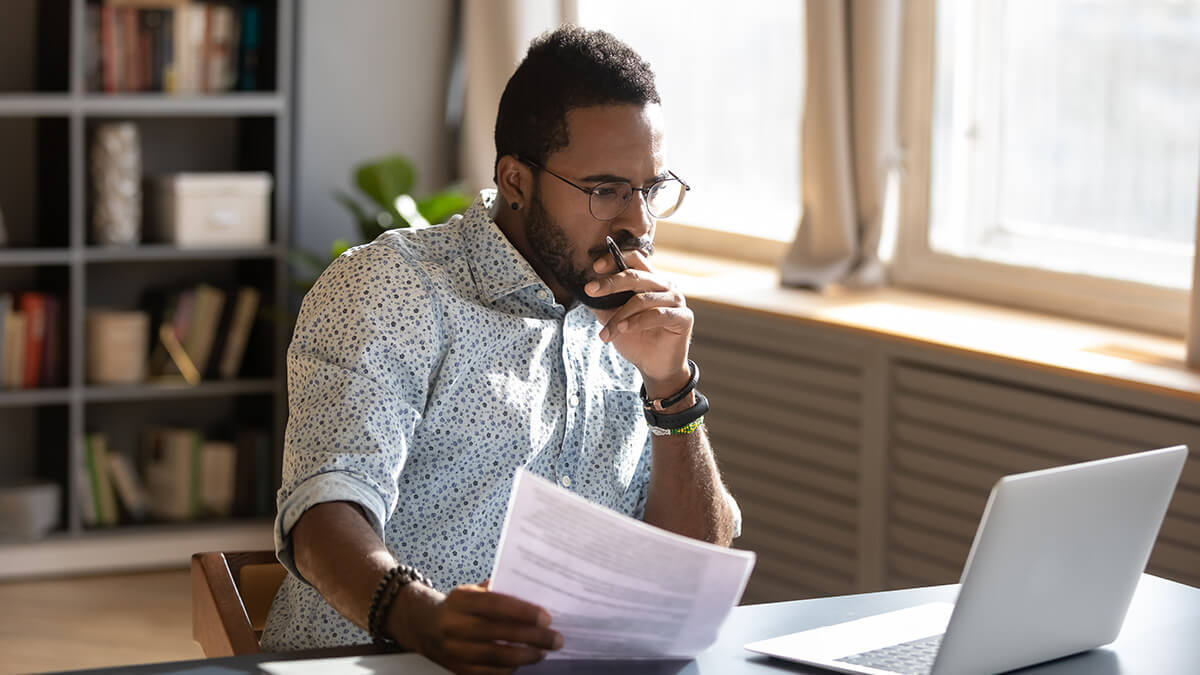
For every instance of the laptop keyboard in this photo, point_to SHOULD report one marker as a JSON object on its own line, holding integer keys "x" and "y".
{"x": 906, "y": 658}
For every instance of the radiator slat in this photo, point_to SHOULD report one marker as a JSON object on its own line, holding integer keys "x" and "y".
{"x": 912, "y": 570}
{"x": 950, "y": 552}
{"x": 784, "y": 520}
{"x": 778, "y": 550}
{"x": 748, "y": 465}
{"x": 794, "y": 434}
{"x": 941, "y": 520}
{"x": 764, "y": 392}
{"x": 754, "y": 366}
{"x": 787, "y": 495}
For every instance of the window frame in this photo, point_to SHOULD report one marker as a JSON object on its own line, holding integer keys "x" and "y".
{"x": 916, "y": 265}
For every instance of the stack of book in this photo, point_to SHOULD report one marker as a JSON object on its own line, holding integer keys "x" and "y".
{"x": 174, "y": 46}
{"x": 201, "y": 332}
{"x": 30, "y": 352}
{"x": 178, "y": 475}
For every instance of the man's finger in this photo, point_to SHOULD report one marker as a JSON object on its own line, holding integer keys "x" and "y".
{"x": 498, "y": 606}
{"x": 477, "y": 629}
{"x": 672, "y": 319}
{"x": 636, "y": 305}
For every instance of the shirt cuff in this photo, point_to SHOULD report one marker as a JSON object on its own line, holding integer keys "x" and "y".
{"x": 331, "y": 486}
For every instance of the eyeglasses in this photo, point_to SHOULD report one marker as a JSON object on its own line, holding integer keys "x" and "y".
{"x": 609, "y": 200}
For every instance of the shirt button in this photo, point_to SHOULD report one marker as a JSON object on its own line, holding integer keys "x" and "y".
{"x": 566, "y": 481}
{"x": 541, "y": 294}
{"x": 573, "y": 401}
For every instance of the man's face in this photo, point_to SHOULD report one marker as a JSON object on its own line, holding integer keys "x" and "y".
{"x": 607, "y": 143}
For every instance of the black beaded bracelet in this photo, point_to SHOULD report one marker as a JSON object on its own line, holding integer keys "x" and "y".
{"x": 373, "y": 613}
{"x": 385, "y": 595}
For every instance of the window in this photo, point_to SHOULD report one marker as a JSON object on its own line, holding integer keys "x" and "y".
{"x": 731, "y": 79}
{"x": 1063, "y": 156}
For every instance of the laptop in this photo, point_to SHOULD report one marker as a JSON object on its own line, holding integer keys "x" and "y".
{"x": 1055, "y": 561}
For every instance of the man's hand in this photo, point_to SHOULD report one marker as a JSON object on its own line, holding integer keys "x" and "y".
{"x": 653, "y": 329}
{"x": 472, "y": 629}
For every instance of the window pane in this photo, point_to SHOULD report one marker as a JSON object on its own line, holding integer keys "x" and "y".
{"x": 1067, "y": 135}
{"x": 730, "y": 81}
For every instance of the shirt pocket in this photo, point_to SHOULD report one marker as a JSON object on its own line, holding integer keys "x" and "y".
{"x": 621, "y": 436}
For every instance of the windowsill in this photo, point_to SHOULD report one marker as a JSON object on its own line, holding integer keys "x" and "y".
{"x": 1077, "y": 348}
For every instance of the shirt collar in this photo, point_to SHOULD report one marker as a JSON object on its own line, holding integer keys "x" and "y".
{"x": 499, "y": 267}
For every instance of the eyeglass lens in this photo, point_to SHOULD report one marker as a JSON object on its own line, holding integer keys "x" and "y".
{"x": 609, "y": 200}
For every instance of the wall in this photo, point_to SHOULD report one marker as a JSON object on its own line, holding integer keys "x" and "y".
{"x": 370, "y": 80}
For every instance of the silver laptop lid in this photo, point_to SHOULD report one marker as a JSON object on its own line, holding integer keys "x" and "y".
{"x": 1056, "y": 560}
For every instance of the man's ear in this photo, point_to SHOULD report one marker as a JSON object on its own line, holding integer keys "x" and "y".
{"x": 514, "y": 182}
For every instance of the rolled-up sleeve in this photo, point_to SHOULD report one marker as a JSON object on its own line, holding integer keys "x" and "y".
{"x": 358, "y": 367}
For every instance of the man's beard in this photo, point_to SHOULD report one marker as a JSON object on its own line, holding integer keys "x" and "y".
{"x": 555, "y": 253}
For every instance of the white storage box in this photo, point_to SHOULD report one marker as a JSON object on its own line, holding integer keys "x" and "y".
{"x": 196, "y": 210}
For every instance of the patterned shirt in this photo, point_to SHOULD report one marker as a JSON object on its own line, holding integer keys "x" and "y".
{"x": 425, "y": 368}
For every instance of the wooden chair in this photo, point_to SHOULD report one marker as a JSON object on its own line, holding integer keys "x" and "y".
{"x": 231, "y": 595}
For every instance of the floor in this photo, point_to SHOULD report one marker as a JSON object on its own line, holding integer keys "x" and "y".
{"x": 92, "y": 622}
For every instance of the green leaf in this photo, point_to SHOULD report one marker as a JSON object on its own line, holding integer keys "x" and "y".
{"x": 338, "y": 247}
{"x": 385, "y": 179}
{"x": 440, "y": 206}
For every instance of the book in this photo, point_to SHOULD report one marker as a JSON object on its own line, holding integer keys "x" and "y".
{"x": 128, "y": 485}
{"x": 5, "y": 310}
{"x": 109, "y": 64}
{"x": 248, "y": 56}
{"x": 171, "y": 465}
{"x": 33, "y": 305}
{"x": 202, "y": 329}
{"x": 14, "y": 350}
{"x": 52, "y": 348}
{"x": 96, "y": 446}
{"x": 85, "y": 497}
{"x": 237, "y": 333}
{"x": 218, "y": 463}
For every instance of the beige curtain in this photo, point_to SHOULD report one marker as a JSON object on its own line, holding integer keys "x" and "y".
{"x": 496, "y": 35}
{"x": 848, "y": 141}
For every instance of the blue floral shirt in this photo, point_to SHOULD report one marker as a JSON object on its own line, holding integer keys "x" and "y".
{"x": 425, "y": 368}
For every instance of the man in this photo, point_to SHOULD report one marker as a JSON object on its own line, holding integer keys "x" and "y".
{"x": 428, "y": 365}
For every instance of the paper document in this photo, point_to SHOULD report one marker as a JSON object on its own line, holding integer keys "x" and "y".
{"x": 615, "y": 587}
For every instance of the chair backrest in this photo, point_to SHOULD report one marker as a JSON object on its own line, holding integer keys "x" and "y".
{"x": 231, "y": 595}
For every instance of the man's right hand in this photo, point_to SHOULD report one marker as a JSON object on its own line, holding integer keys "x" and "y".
{"x": 472, "y": 629}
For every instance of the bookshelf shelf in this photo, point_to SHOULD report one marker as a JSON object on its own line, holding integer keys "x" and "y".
{"x": 49, "y": 111}
{"x": 34, "y": 397}
{"x": 157, "y": 252}
{"x": 132, "y": 547}
{"x": 143, "y": 105}
{"x": 171, "y": 390}
{"x": 136, "y": 105}
{"x": 24, "y": 105}
{"x": 23, "y": 257}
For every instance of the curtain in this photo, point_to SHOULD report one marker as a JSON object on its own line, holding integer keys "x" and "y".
{"x": 849, "y": 141}
{"x": 496, "y": 35}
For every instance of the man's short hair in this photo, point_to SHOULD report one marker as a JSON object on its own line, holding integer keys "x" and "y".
{"x": 566, "y": 68}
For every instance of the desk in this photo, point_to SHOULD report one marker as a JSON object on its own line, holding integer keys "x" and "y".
{"x": 1161, "y": 635}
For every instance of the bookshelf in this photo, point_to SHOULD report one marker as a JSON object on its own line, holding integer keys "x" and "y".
{"x": 49, "y": 106}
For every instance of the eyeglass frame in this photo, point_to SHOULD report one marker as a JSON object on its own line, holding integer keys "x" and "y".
{"x": 591, "y": 192}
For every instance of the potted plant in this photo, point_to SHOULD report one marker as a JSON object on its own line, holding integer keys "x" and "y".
{"x": 387, "y": 183}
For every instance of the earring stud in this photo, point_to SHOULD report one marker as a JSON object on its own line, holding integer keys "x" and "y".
{"x": 515, "y": 206}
